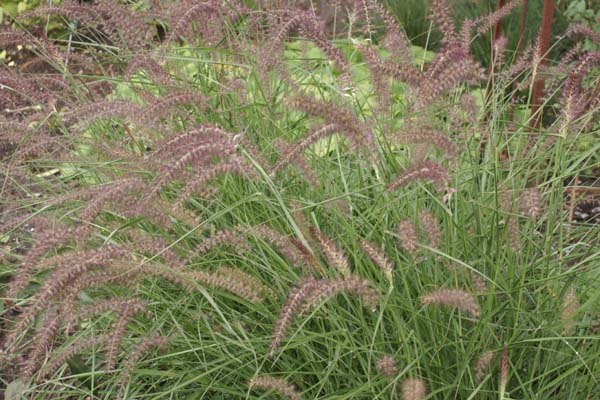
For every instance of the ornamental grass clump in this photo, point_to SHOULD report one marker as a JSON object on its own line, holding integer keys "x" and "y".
{"x": 224, "y": 198}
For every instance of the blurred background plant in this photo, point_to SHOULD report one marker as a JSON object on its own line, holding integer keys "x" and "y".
{"x": 583, "y": 11}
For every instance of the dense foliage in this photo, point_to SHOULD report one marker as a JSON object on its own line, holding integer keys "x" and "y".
{"x": 214, "y": 199}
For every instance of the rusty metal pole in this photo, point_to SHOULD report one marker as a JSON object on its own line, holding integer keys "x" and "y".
{"x": 522, "y": 27}
{"x": 524, "y": 10}
{"x": 498, "y": 26}
{"x": 495, "y": 36}
{"x": 543, "y": 44}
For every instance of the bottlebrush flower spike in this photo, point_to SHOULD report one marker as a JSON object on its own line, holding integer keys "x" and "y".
{"x": 199, "y": 184}
{"x": 575, "y": 100}
{"x": 413, "y": 389}
{"x": 379, "y": 258}
{"x": 430, "y": 226}
{"x": 49, "y": 239}
{"x": 238, "y": 283}
{"x": 278, "y": 240}
{"x": 512, "y": 225}
{"x": 440, "y": 15}
{"x": 153, "y": 69}
{"x": 119, "y": 306}
{"x": 308, "y": 258}
{"x": 90, "y": 280}
{"x": 366, "y": 14}
{"x": 289, "y": 310}
{"x": 77, "y": 347}
{"x": 328, "y": 288}
{"x": 567, "y": 58}
{"x": 478, "y": 283}
{"x": 199, "y": 156}
{"x": 294, "y": 151}
{"x": 253, "y": 151}
{"x": 402, "y": 72}
{"x": 441, "y": 141}
{"x": 301, "y": 163}
{"x": 424, "y": 170}
{"x": 56, "y": 283}
{"x": 138, "y": 352}
{"x": 386, "y": 366}
{"x": 504, "y": 371}
{"x": 232, "y": 282}
{"x": 208, "y": 18}
{"x": 309, "y": 26}
{"x": 109, "y": 193}
{"x": 145, "y": 243}
{"x": 179, "y": 145}
{"x": 570, "y": 307}
{"x": 381, "y": 84}
{"x": 531, "y": 200}
{"x": 485, "y": 23}
{"x": 335, "y": 255}
{"x": 483, "y": 363}
{"x": 276, "y": 384}
{"x": 460, "y": 299}
{"x": 87, "y": 113}
{"x": 407, "y": 232}
{"x": 584, "y": 30}
{"x": 125, "y": 312}
{"x": 41, "y": 343}
{"x": 9, "y": 37}
{"x": 359, "y": 134}
{"x": 122, "y": 25}
{"x": 435, "y": 83}
{"x": 180, "y": 19}
{"x": 162, "y": 106}
{"x": 395, "y": 39}
{"x": 246, "y": 279}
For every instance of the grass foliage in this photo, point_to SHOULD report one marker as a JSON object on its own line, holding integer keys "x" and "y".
{"x": 174, "y": 201}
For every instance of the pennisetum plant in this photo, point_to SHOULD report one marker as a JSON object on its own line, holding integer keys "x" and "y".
{"x": 142, "y": 139}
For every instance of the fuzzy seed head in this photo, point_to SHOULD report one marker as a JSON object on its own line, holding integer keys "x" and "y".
{"x": 423, "y": 170}
{"x": 407, "y": 233}
{"x": 278, "y": 385}
{"x": 478, "y": 282}
{"x": 483, "y": 363}
{"x": 386, "y": 366}
{"x": 328, "y": 288}
{"x": 413, "y": 389}
{"x": 531, "y": 200}
{"x": 430, "y": 226}
{"x": 570, "y": 307}
{"x": 460, "y": 299}
{"x": 379, "y": 258}
{"x": 289, "y": 310}
{"x": 503, "y": 371}
{"x": 335, "y": 255}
